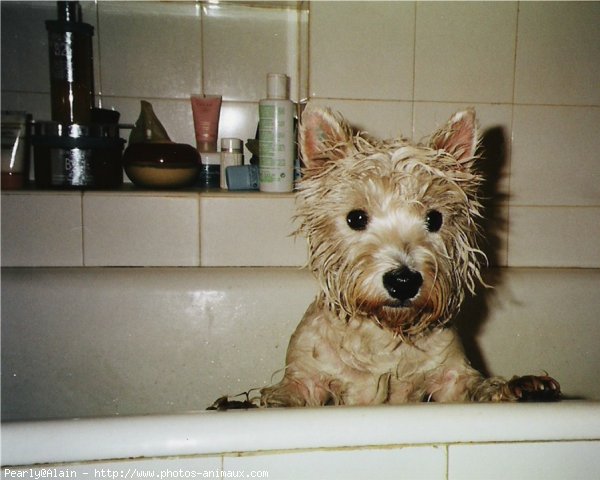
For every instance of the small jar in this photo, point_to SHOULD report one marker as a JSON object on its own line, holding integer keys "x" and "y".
{"x": 210, "y": 170}
{"x": 77, "y": 156}
{"x": 15, "y": 149}
{"x": 232, "y": 154}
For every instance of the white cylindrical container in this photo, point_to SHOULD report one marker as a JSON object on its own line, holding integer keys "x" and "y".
{"x": 232, "y": 154}
{"x": 276, "y": 137}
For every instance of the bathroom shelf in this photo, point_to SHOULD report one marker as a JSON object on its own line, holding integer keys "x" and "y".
{"x": 134, "y": 227}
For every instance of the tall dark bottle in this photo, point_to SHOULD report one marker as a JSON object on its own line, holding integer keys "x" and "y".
{"x": 71, "y": 65}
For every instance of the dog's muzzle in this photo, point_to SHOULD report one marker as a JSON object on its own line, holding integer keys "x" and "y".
{"x": 403, "y": 284}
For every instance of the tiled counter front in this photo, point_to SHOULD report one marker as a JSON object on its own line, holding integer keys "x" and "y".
{"x": 548, "y": 460}
{"x": 139, "y": 228}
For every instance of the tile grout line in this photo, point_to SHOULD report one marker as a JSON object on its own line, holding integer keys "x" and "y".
{"x": 511, "y": 143}
{"x": 202, "y": 54}
{"x": 447, "y": 449}
{"x": 199, "y": 219}
{"x": 83, "y": 264}
{"x": 414, "y": 73}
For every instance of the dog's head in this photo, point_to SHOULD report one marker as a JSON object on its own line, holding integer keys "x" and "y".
{"x": 391, "y": 226}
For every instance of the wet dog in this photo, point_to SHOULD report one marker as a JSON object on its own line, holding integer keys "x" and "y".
{"x": 392, "y": 233}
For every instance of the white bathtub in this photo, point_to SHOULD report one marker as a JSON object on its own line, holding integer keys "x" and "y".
{"x": 98, "y": 363}
{"x": 429, "y": 441}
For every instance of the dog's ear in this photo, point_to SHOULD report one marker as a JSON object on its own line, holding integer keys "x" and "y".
{"x": 324, "y": 137}
{"x": 458, "y": 137}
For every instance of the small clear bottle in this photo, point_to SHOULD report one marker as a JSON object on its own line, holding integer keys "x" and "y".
{"x": 232, "y": 154}
{"x": 276, "y": 137}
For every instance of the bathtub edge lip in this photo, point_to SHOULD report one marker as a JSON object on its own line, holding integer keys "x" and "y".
{"x": 221, "y": 433}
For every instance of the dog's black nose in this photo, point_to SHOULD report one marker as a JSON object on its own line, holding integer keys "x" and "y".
{"x": 402, "y": 283}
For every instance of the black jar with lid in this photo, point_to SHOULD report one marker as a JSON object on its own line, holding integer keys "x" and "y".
{"x": 77, "y": 156}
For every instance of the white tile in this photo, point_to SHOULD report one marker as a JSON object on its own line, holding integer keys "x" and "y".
{"x": 150, "y": 49}
{"x": 303, "y": 55}
{"x": 560, "y": 460}
{"x": 191, "y": 467}
{"x": 140, "y": 229}
{"x": 37, "y": 104}
{"x": 429, "y": 116}
{"x": 24, "y": 36}
{"x": 249, "y": 230}
{"x": 174, "y": 114}
{"x": 382, "y": 119}
{"x": 427, "y": 462}
{"x": 555, "y": 156}
{"x": 465, "y": 51}
{"x": 41, "y": 229}
{"x": 494, "y": 231}
{"x": 539, "y": 320}
{"x": 175, "y": 466}
{"x": 241, "y": 44}
{"x": 494, "y": 128}
{"x": 239, "y": 120}
{"x": 554, "y": 237}
{"x": 494, "y": 123}
{"x": 25, "y": 65}
{"x": 557, "y": 44}
{"x": 362, "y": 50}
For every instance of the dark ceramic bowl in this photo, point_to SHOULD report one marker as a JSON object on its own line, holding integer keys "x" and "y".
{"x": 161, "y": 165}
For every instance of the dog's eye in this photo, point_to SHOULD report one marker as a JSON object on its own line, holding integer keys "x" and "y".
{"x": 433, "y": 221}
{"x": 357, "y": 219}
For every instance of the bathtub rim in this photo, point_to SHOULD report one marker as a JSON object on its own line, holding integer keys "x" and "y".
{"x": 216, "y": 433}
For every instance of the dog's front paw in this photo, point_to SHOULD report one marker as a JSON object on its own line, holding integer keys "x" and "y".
{"x": 281, "y": 395}
{"x": 532, "y": 388}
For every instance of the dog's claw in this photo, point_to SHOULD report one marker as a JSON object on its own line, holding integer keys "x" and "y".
{"x": 532, "y": 388}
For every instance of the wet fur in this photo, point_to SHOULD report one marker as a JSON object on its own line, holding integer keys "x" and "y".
{"x": 356, "y": 345}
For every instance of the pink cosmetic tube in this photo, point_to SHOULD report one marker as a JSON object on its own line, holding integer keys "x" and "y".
{"x": 206, "y": 110}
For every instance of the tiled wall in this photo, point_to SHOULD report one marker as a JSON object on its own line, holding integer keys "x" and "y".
{"x": 163, "y": 52}
{"x": 529, "y": 68}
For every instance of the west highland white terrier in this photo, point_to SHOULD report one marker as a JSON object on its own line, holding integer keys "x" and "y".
{"x": 392, "y": 235}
